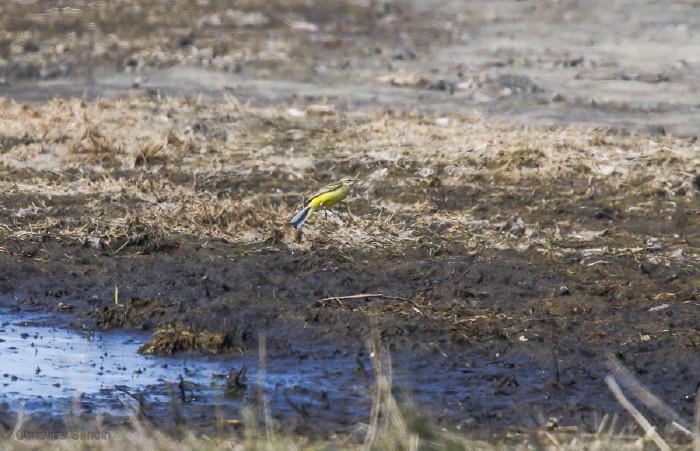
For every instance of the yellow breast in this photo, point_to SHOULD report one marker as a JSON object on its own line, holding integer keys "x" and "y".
{"x": 330, "y": 198}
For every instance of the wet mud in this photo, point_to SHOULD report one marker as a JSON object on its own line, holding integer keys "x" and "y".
{"x": 518, "y": 337}
{"x": 144, "y": 211}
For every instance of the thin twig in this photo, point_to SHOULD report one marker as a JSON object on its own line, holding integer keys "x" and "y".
{"x": 262, "y": 363}
{"x": 649, "y": 430}
{"x": 183, "y": 394}
{"x": 299, "y": 408}
{"x": 139, "y": 399}
{"x": 373, "y": 425}
{"x": 650, "y": 400}
{"x": 696, "y": 426}
{"x": 371, "y": 295}
{"x": 601, "y": 426}
{"x": 362, "y": 296}
{"x": 20, "y": 420}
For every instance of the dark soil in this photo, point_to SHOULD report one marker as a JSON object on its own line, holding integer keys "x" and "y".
{"x": 502, "y": 263}
{"x": 542, "y": 326}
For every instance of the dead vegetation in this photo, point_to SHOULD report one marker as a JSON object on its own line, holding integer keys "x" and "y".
{"x": 476, "y": 234}
{"x": 175, "y": 338}
{"x": 118, "y": 234}
{"x": 181, "y": 169}
{"x": 158, "y": 168}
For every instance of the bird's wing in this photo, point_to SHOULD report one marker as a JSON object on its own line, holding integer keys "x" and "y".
{"x": 326, "y": 189}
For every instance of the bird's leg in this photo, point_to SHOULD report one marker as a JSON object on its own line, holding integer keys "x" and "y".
{"x": 331, "y": 212}
{"x": 325, "y": 213}
{"x": 351, "y": 218}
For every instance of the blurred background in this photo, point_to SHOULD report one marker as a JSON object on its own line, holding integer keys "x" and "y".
{"x": 623, "y": 64}
{"x": 514, "y": 258}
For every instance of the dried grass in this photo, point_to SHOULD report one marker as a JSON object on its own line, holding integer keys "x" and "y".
{"x": 173, "y": 338}
{"x": 230, "y": 172}
{"x": 467, "y": 187}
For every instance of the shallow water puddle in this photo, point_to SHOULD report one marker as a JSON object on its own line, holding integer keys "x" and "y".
{"x": 43, "y": 363}
{"x": 45, "y": 366}
{"x": 53, "y": 370}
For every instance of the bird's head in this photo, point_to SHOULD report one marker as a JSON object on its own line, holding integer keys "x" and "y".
{"x": 348, "y": 181}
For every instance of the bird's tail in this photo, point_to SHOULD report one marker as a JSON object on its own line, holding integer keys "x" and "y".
{"x": 300, "y": 218}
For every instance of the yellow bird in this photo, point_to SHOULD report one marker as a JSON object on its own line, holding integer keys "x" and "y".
{"x": 327, "y": 196}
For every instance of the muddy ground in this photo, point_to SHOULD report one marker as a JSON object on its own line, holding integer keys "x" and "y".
{"x": 528, "y": 251}
{"x": 511, "y": 259}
